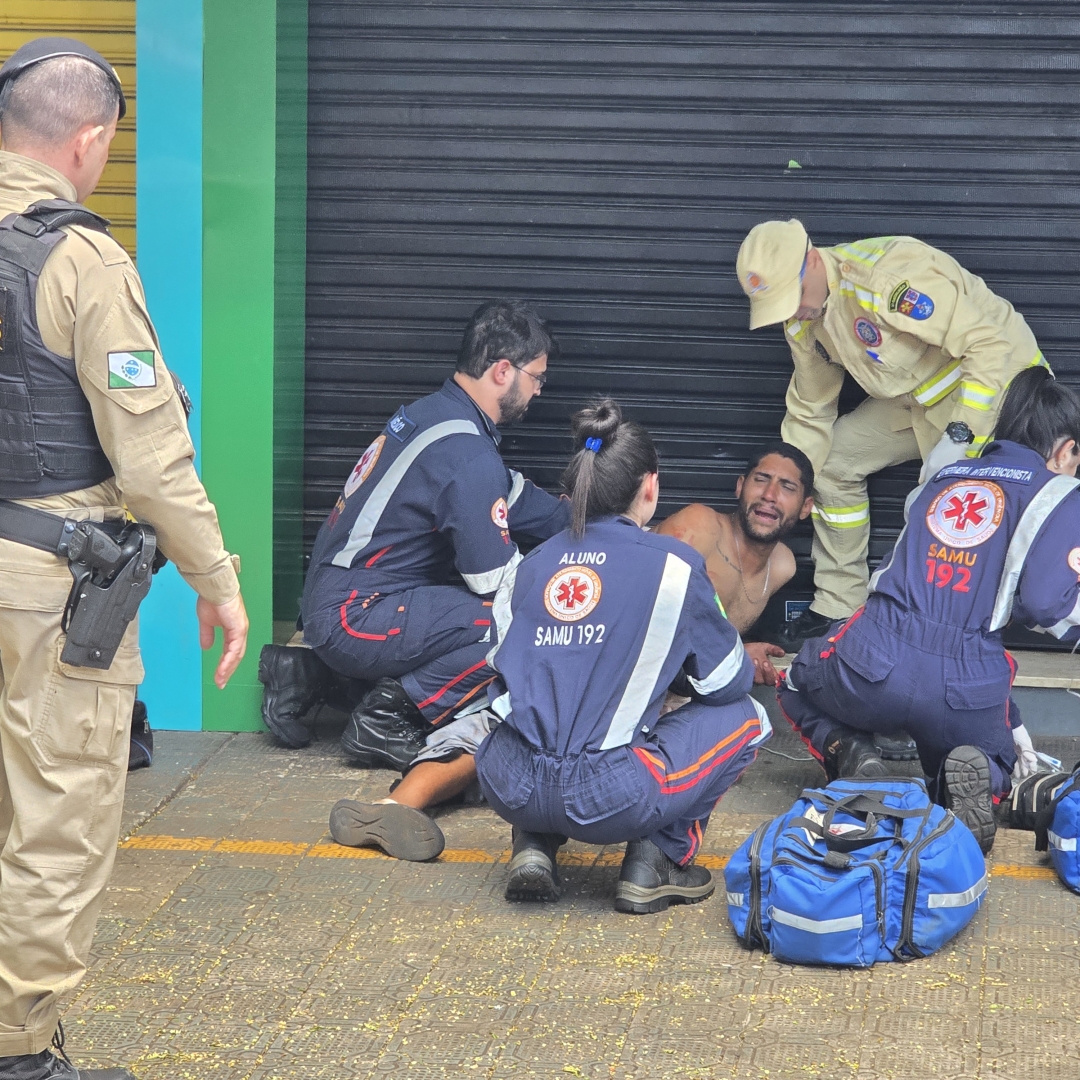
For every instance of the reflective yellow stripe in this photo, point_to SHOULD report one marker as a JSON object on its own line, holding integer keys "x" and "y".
{"x": 977, "y": 445}
{"x": 844, "y": 517}
{"x": 796, "y": 329}
{"x": 1039, "y": 361}
{"x": 871, "y": 301}
{"x": 866, "y": 252}
{"x": 976, "y": 396}
{"x": 938, "y": 386}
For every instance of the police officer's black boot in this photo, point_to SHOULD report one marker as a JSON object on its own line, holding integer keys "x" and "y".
{"x": 534, "y": 874}
{"x": 294, "y": 681}
{"x": 54, "y": 1066}
{"x": 649, "y": 881}
{"x": 806, "y": 625}
{"x": 966, "y": 788}
{"x": 386, "y": 730}
{"x": 851, "y": 755}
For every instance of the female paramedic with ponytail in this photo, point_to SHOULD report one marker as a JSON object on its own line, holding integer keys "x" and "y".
{"x": 987, "y": 540}
{"x": 601, "y": 620}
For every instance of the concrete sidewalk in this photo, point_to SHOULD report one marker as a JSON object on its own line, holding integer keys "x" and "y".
{"x": 238, "y": 941}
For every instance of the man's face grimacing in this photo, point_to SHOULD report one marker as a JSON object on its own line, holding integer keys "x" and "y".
{"x": 523, "y": 387}
{"x": 771, "y": 499}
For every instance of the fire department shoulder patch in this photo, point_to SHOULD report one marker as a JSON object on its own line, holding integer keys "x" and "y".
{"x": 966, "y": 514}
{"x": 500, "y": 514}
{"x": 867, "y": 332}
{"x": 572, "y": 593}
{"x": 363, "y": 468}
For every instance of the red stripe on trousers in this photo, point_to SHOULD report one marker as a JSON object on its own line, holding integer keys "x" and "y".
{"x": 349, "y": 630}
{"x": 453, "y": 682}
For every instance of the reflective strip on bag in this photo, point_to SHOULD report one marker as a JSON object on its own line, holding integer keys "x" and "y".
{"x": 957, "y": 899}
{"x": 1062, "y": 843}
{"x": 976, "y": 396}
{"x": 736, "y": 899}
{"x": 938, "y": 386}
{"x": 870, "y": 301}
{"x": 815, "y": 926}
{"x": 843, "y": 517}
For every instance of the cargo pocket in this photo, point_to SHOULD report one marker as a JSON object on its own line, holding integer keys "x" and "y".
{"x": 865, "y": 658}
{"x": 602, "y": 785}
{"x": 972, "y": 694}
{"x": 505, "y": 766}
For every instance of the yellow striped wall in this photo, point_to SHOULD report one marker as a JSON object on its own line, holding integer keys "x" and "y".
{"x": 109, "y": 26}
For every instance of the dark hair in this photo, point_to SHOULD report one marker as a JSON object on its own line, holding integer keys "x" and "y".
{"x": 785, "y": 450}
{"x": 504, "y": 330}
{"x": 1038, "y": 412}
{"x": 605, "y": 480}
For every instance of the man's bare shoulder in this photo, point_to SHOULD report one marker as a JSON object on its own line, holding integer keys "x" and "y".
{"x": 694, "y": 524}
{"x": 783, "y": 567}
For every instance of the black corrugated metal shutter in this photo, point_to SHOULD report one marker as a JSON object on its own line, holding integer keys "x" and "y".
{"x": 606, "y": 159}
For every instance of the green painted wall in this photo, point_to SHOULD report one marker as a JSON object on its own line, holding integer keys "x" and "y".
{"x": 253, "y": 200}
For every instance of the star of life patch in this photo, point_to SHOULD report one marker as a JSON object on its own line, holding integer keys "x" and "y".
{"x": 867, "y": 332}
{"x": 362, "y": 470}
{"x": 966, "y": 514}
{"x": 132, "y": 370}
{"x": 571, "y": 594}
{"x": 500, "y": 514}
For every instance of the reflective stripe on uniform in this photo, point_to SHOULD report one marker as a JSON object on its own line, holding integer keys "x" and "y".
{"x": 1062, "y": 626}
{"x": 865, "y": 252}
{"x": 977, "y": 445}
{"x": 815, "y": 926}
{"x": 517, "y": 486}
{"x": 663, "y": 622}
{"x": 1062, "y": 843}
{"x": 796, "y": 329}
{"x": 938, "y": 386}
{"x": 1031, "y": 521}
{"x": 976, "y": 396}
{"x": 843, "y": 517}
{"x": 723, "y": 673}
{"x": 957, "y": 899}
{"x": 368, "y": 519}
{"x": 490, "y": 580}
{"x": 865, "y": 298}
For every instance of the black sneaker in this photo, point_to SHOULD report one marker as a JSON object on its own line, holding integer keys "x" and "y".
{"x": 141, "y": 747}
{"x": 806, "y": 625}
{"x": 649, "y": 881}
{"x": 898, "y": 747}
{"x": 966, "y": 790}
{"x": 399, "y": 830}
{"x": 294, "y": 681}
{"x": 850, "y": 755}
{"x": 386, "y": 729}
{"x": 534, "y": 874}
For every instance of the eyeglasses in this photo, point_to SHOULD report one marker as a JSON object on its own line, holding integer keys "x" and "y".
{"x": 540, "y": 379}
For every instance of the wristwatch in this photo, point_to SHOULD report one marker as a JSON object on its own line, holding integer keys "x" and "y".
{"x": 959, "y": 432}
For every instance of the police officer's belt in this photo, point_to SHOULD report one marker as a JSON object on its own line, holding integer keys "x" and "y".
{"x": 112, "y": 564}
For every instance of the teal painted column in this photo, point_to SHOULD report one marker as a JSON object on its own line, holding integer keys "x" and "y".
{"x": 254, "y": 195}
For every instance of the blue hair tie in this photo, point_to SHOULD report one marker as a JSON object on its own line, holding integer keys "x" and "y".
{"x": 594, "y": 445}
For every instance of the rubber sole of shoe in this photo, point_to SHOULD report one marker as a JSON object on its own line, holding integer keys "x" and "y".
{"x": 968, "y": 793}
{"x": 893, "y": 749}
{"x": 532, "y": 879}
{"x": 399, "y": 830}
{"x": 631, "y": 899}
{"x": 371, "y": 758}
{"x": 291, "y": 733}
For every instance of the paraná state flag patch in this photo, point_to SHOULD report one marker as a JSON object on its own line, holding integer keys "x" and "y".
{"x": 131, "y": 370}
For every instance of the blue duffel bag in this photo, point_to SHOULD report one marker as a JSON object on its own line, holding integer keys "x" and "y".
{"x": 854, "y": 873}
{"x": 1058, "y": 830}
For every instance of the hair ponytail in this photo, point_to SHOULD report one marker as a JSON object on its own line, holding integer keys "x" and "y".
{"x": 612, "y": 457}
{"x": 1038, "y": 412}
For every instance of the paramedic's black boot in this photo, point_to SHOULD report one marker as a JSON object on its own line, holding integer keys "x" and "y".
{"x": 534, "y": 875}
{"x": 141, "y": 746}
{"x": 898, "y": 747}
{"x": 399, "y": 830}
{"x": 808, "y": 624}
{"x": 1026, "y": 805}
{"x": 294, "y": 681}
{"x": 386, "y": 730}
{"x": 852, "y": 755}
{"x": 649, "y": 881}
{"x": 966, "y": 789}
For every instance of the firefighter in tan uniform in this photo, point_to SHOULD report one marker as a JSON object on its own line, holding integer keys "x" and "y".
{"x": 930, "y": 344}
{"x": 91, "y": 426}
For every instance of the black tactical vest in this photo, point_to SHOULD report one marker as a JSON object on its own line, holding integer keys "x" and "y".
{"x": 48, "y": 444}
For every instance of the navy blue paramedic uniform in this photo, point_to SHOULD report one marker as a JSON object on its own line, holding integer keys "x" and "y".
{"x": 429, "y": 496}
{"x": 987, "y": 540}
{"x": 598, "y": 629}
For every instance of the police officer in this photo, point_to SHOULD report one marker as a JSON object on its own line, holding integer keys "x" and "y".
{"x": 430, "y": 497}
{"x": 600, "y": 621}
{"x": 986, "y": 541}
{"x": 930, "y": 344}
{"x": 92, "y": 426}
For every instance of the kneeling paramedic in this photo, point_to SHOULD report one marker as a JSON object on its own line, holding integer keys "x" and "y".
{"x": 429, "y": 499}
{"x": 598, "y": 624}
{"x": 987, "y": 540}
{"x": 93, "y": 425}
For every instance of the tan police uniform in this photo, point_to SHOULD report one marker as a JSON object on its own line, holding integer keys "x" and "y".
{"x": 63, "y": 729}
{"x": 930, "y": 344}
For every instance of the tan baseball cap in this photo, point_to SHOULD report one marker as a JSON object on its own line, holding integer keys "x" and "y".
{"x": 770, "y": 266}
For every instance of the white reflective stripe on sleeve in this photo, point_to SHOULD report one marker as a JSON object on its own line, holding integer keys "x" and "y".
{"x": 663, "y": 622}
{"x": 501, "y": 611}
{"x": 1062, "y": 843}
{"x": 723, "y": 673}
{"x": 815, "y": 926}
{"x": 736, "y": 899}
{"x": 1063, "y": 626}
{"x": 517, "y": 486}
{"x": 368, "y": 518}
{"x": 501, "y": 706}
{"x": 957, "y": 899}
{"x": 1031, "y": 521}
{"x": 491, "y": 580}
{"x": 766, "y": 723}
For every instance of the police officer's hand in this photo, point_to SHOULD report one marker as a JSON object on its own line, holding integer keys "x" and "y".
{"x": 232, "y": 618}
{"x": 759, "y": 652}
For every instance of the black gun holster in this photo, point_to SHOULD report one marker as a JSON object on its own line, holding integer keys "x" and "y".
{"x": 112, "y": 564}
